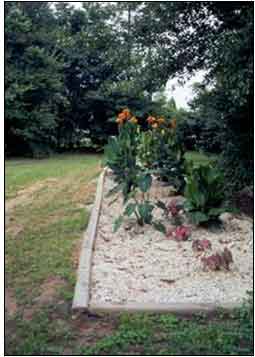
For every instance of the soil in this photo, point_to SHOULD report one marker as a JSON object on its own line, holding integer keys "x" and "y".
{"x": 49, "y": 289}
{"x": 10, "y": 303}
{"x": 141, "y": 265}
{"x": 25, "y": 196}
{"x": 244, "y": 200}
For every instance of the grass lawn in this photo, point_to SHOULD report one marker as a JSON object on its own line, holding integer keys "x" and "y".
{"x": 47, "y": 209}
{"x": 199, "y": 157}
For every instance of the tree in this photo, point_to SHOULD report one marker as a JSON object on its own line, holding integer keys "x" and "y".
{"x": 32, "y": 79}
{"x": 217, "y": 37}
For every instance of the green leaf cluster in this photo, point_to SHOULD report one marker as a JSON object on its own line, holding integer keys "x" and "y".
{"x": 133, "y": 180}
{"x": 164, "y": 155}
{"x": 204, "y": 193}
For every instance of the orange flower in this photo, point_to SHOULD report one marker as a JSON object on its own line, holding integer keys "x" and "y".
{"x": 127, "y": 113}
{"x": 173, "y": 123}
{"x": 161, "y": 121}
{"x": 122, "y": 116}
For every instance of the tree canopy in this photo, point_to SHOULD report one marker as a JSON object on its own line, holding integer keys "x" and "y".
{"x": 69, "y": 71}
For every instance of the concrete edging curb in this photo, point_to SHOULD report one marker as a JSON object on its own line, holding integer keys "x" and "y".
{"x": 176, "y": 308}
{"x": 82, "y": 287}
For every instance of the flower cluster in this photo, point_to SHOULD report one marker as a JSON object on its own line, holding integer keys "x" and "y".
{"x": 158, "y": 122}
{"x": 124, "y": 116}
{"x": 155, "y": 122}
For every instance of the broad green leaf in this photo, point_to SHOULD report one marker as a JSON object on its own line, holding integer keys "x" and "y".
{"x": 159, "y": 227}
{"x": 144, "y": 211}
{"x": 198, "y": 217}
{"x": 214, "y": 212}
{"x": 130, "y": 208}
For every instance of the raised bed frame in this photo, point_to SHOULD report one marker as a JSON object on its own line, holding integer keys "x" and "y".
{"x": 81, "y": 300}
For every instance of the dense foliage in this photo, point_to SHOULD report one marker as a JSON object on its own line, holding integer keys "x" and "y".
{"x": 69, "y": 71}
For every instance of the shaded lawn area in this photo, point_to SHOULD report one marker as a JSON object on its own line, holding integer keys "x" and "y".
{"x": 199, "y": 157}
{"x": 48, "y": 205}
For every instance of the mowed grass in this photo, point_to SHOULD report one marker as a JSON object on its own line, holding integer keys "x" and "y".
{"x": 199, "y": 157}
{"x": 46, "y": 216}
{"x": 22, "y": 172}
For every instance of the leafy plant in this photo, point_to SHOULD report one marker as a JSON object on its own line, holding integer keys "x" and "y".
{"x": 133, "y": 180}
{"x": 218, "y": 261}
{"x": 204, "y": 193}
{"x": 142, "y": 207}
{"x": 121, "y": 157}
{"x": 146, "y": 148}
{"x": 173, "y": 210}
{"x": 168, "y": 153}
{"x": 201, "y": 245}
{"x": 180, "y": 233}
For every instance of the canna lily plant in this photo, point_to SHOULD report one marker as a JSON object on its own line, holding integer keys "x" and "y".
{"x": 132, "y": 180}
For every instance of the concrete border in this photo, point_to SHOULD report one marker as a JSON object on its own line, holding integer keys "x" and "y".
{"x": 82, "y": 287}
{"x": 176, "y": 308}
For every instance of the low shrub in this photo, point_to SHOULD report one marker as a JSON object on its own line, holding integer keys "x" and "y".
{"x": 204, "y": 193}
{"x": 167, "y": 153}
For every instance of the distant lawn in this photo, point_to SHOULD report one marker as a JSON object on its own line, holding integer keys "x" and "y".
{"x": 22, "y": 172}
{"x": 44, "y": 229}
{"x": 200, "y": 158}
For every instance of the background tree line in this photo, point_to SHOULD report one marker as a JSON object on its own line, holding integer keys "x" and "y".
{"x": 69, "y": 71}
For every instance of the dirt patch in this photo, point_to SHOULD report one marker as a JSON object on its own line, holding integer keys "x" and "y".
{"x": 49, "y": 290}
{"x": 76, "y": 254}
{"x": 25, "y": 196}
{"x": 14, "y": 229}
{"x": 85, "y": 194}
{"x": 91, "y": 328}
{"x": 28, "y": 313}
{"x": 10, "y": 303}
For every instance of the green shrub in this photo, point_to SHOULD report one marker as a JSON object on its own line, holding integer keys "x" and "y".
{"x": 169, "y": 159}
{"x": 160, "y": 150}
{"x": 204, "y": 193}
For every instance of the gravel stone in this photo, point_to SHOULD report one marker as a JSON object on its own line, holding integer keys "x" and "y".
{"x": 129, "y": 266}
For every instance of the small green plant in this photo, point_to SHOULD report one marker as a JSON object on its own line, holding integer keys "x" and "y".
{"x": 204, "y": 193}
{"x": 140, "y": 205}
{"x": 173, "y": 211}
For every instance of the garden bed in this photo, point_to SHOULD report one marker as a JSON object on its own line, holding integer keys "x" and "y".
{"x": 139, "y": 265}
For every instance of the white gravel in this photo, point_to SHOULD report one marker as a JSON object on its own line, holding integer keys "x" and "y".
{"x": 142, "y": 265}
